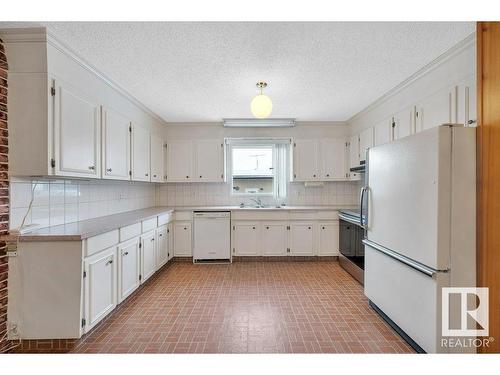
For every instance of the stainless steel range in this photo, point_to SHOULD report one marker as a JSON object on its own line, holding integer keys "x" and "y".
{"x": 352, "y": 250}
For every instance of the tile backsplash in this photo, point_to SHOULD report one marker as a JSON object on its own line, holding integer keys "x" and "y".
{"x": 213, "y": 194}
{"x": 65, "y": 201}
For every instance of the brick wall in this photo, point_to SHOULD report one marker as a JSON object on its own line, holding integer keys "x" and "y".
{"x": 4, "y": 195}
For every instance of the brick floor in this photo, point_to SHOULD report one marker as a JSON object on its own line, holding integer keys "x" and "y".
{"x": 247, "y": 307}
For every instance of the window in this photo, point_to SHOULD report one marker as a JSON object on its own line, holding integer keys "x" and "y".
{"x": 258, "y": 167}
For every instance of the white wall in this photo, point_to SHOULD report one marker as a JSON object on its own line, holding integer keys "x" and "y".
{"x": 453, "y": 68}
{"x": 65, "y": 201}
{"x": 203, "y": 194}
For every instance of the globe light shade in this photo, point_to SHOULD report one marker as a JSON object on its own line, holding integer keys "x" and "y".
{"x": 261, "y": 106}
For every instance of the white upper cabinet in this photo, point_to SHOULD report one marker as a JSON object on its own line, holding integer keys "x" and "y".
{"x": 209, "y": 160}
{"x": 319, "y": 160}
{"x": 180, "y": 161}
{"x": 365, "y": 142}
{"x": 354, "y": 151}
{"x": 141, "y": 146}
{"x": 305, "y": 160}
{"x": 65, "y": 119}
{"x": 157, "y": 147}
{"x": 115, "y": 145}
{"x": 76, "y": 133}
{"x": 333, "y": 159}
{"x": 435, "y": 109}
{"x": 467, "y": 102}
{"x": 383, "y": 132}
{"x": 404, "y": 123}
{"x": 195, "y": 161}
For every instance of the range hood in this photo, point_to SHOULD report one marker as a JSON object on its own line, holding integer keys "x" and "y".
{"x": 360, "y": 168}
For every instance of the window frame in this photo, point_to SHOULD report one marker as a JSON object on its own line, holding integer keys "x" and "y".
{"x": 281, "y": 164}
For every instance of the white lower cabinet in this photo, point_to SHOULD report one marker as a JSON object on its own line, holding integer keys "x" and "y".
{"x": 328, "y": 238}
{"x": 100, "y": 286}
{"x": 161, "y": 246}
{"x": 274, "y": 238}
{"x": 301, "y": 238}
{"x": 148, "y": 255}
{"x": 170, "y": 241}
{"x": 246, "y": 238}
{"x": 182, "y": 239}
{"x": 129, "y": 267}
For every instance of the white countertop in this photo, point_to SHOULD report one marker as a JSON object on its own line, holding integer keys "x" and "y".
{"x": 81, "y": 230}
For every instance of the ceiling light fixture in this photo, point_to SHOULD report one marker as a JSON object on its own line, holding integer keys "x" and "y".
{"x": 261, "y": 105}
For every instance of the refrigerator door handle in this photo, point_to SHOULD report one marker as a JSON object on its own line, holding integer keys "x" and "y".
{"x": 362, "y": 223}
{"x": 431, "y": 272}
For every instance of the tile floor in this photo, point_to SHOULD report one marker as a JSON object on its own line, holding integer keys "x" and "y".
{"x": 246, "y": 307}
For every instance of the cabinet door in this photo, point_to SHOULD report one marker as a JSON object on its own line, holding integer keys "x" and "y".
{"x": 100, "y": 286}
{"x": 466, "y": 102}
{"x": 76, "y": 133}
{"x": 305, "y": 160}
{"x": 157, "y": 174}
{"x": 383, "y": 132}
{"x": 365, "y": 142}
{"x": 333, "y": 159}
{"x": 328, "y": 238}
{"x": 354, "y": 151}
{"x": 209, "y": 160}
{"x": 435, "y": 110}
{"x": 404, "y": 123}
{"x": 129, "y": 268}
{"x": 301, "y": 240}
{"x": 115, "y": 145}
{"x": 180, "y": 161}
{"x": 148, "y": 255}
{"x": 141, "y": 148}
{"x": 246, "y": 238}
{"x": 274, "y": 238}
{"x": 182, "y": 239}
{"x": 161, "y": 247}
{"x": 170, "y": 241}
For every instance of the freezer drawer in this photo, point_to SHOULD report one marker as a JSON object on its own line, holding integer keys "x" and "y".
{"x": 410, "y": 298}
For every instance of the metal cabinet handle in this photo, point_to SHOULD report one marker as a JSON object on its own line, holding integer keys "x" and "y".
{"x": 327, "y": 175}
{"x": 152, "y": 239}
{"x": 322, "y": 227}
{"x": 253, "y": 227}
{"x": 185, "y": 228}
{"x": 161, "y": 234}
{"x": 267, "y": 227}
{"x": 187, "y": 176}
{"x": 314, "y": 175}
{"x": 308, "y": 227}
{"x": 108, "y": 170}
{"x": 92, "y": 167}
{"x": 201, "y": 176}
{"x": 146, "y": 174}
{"x": 470, "y": 122}
{"x": 154, "y": 175}
{"x": 125, "y": 253}
{"x": 109, "y": 262}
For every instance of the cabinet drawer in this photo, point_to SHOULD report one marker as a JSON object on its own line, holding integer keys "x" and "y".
{"x": 130, "y": 231}
{"x": 148, "y": 225}
{"x": 303, "y": 215}
{"x": 259, "y": 215}
{"x": 327, "y": 215}
{"x": 183, "y": 215}
{"x": 101, "y": 242}
{"x": 164, "y": 219}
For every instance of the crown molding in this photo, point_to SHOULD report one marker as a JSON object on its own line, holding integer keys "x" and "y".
{"x": 43, "y": 34}
{"x": 434, "y": 64}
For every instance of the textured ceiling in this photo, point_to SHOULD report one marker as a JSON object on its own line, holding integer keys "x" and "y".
{"x": 207, "y": 71}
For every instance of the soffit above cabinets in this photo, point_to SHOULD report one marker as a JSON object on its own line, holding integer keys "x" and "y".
{"x": 202, "y": 71}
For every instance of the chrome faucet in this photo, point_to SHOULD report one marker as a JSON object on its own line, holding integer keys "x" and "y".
{"x": 257, "y": 201}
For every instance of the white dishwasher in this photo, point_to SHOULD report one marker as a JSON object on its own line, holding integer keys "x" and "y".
{"x": 212, "y": 236}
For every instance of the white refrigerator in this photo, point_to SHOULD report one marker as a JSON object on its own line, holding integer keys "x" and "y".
{"x": 420, "y": 228}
